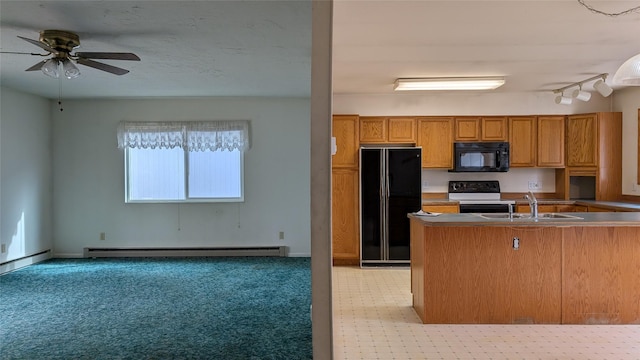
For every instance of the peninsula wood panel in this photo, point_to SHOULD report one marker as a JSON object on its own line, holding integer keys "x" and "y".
{"x": 522, "y": 141}
{"x": 601, "y": 281}
{"x": 417, "y": 267}
{"x": 344, "y": 217}
{"x": 550, "y": 141}
{"x": 476, "y": 276}
{"x": 345, "y": 129}
{"x": 435, "y": 136}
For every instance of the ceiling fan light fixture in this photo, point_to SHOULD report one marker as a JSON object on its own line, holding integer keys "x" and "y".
{"x": 453, "y": 83}
{"x": 51, "y": 68}
{"x": 629, "y": 72}
{"x": 70, "y": 70}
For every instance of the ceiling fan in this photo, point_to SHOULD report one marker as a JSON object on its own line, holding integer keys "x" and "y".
{"x": 60, "y": 44}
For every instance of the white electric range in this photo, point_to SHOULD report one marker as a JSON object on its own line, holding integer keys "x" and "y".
{"x": 478, "y": 196}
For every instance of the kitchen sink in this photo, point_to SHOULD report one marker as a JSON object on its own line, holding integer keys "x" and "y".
{"x": 521, "y": 216}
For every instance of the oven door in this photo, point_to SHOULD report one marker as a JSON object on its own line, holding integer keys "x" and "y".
{"x": 484, "y": 208}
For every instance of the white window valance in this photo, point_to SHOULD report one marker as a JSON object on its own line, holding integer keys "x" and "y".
{"x": 190, "y": 135}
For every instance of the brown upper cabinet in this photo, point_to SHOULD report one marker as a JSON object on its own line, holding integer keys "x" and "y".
{"x": 345, "y": 129}
{"x": 594, "y": 150}
{"x": 536, "y": 141}
{"x": 522, "y": 141}
{"x": 394, "y": 129}
{"x": 582, "y": 140}
{"x": 487, "y": 128}
{"x": 435, "y": 136}
{"x": 550, "y": 141}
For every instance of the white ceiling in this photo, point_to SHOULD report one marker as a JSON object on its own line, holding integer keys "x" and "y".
{"x": 263, "y": 48}
{"x": 187, "y": 48}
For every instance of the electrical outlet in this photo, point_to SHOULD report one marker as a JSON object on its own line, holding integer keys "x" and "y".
{"x": 103, "y": 236}
{"x": 3, "y": 248}
{"x": 281, "y": 235}
{"x": 535, "y": 185}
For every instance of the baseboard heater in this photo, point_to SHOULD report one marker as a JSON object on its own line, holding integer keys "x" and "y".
{"x": 186, "y": 252}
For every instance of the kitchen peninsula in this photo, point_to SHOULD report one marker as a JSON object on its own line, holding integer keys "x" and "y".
{"x": 584, "y": 269}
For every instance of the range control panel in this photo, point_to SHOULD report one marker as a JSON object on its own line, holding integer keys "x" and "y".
{"x": 487, "y": 186}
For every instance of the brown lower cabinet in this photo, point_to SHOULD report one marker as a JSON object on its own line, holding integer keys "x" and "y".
{"x": 344, "y": 212}
{"x": 525, "y": 275}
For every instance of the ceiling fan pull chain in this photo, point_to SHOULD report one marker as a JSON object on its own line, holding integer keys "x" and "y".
{"x": 60, "y": 91}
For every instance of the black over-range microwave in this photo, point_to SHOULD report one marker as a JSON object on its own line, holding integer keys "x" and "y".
{"x": 480, "y": 156}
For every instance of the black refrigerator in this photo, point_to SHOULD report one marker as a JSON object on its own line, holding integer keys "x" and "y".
{"x": 390, "y": 188}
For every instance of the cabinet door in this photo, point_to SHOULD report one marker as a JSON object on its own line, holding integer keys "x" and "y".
{"x": 566, "y": 208}
{"x": 344, "y": 211}
{"x": 448, "y": 208}
{"x": 494, "y": 128}
{"x": 467, "y": 129}
{"x": 592, "y": 208}
{"x": 522, "y": 141}
{"x": 582, "y": 140}
{"x": 580, "y": 208}
{"x": 550, "y": 141}
{"x": 435, "y": 136}
{"x": 345, "y": 130}
{"x": 401, "y": 129}
{"x": 373, "y": 129}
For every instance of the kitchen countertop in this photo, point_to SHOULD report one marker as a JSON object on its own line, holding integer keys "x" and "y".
{"x": 588, "y": 219}
{"x": 605, "y": 204}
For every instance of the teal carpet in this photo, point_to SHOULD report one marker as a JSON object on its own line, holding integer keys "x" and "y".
{"x": 157, "y": 308}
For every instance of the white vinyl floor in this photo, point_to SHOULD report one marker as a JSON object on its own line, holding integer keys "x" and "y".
{"x": 373, "y": 319}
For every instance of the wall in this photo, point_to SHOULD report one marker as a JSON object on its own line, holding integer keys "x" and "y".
{"x": 25, "y": 175}
{"x": 88, "y": 178}
{"x": 628, "y": 102}
{"x": 468, "y": 103}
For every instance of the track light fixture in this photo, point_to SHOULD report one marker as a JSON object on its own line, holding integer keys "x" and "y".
{"x": 600, "y": 85}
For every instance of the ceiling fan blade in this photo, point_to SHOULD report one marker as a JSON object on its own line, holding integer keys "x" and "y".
{"x": 39, "y": 44}
{"x": 22, "y": 53}
{"x": 101, "y": 66}
{"x": 37, "y": 66}
{"x": 108, "y": 55}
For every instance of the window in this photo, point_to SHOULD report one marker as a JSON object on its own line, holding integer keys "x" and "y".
{"x": 184, "y": 161}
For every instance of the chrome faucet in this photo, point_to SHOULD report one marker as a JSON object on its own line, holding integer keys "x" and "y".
{"x": 533, "y": 204}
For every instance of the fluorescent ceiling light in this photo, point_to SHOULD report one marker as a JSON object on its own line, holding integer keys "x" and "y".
{"x": 454, "y": 83}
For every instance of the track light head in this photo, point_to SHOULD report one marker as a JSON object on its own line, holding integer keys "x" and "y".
{"x": 563, "y": 100}
{"x": 602, "y": 87}
{"x": 581, "y": 95}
